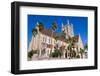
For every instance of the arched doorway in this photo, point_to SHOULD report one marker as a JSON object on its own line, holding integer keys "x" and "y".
{"x": 43, "y": 52}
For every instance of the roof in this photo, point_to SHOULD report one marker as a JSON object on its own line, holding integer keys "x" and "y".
{"x": 73, "y": 39}
{"x": 76, "y": 38}
{"x": 48, "y": 32}
{"x": 62, "y": 38}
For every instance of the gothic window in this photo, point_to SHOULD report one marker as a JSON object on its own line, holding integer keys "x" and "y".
{"x": 49, "y": 40}
{"x": 43, "y": 39}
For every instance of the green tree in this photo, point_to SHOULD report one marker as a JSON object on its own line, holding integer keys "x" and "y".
{"x": 31, "y": 53}
{"x": 81, "y": 52}
{"x": 34, "y": 32}
{"x": 73, "y": 54}
{"x": 86, "y": 46}
{"x": 56, "y": 37}
{"x": 70, "y": 42}
{"x": 53, "y": 27}
{"x": 63, "y": 34}
{"x": 56, "y": 53}
{"x": 77, "y": 56}
{"x": 40, "y": 25}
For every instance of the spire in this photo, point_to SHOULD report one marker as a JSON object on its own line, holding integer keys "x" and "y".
{"x": 79, "y": 35}
{"x": 68, "y": 22}
{"x": 62, "y": 26}
{"x": 72, "y": 29}
{"x": 37, "y": 23}
{"x": 72, "y": 25}
{"x": 37, "y": 26}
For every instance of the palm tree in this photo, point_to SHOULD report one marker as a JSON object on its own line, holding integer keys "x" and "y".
{"x": 70, "y": 46}
{"x": 56, "y": 38}
{"x": 40, "y": 26}
{"x": 86, "y": 47}
{"x": 86, "y": 50}
{"x": 53, "y": 27}
{"x": 69, "y": 40}
{"x": 34, "y": 32}
{"x": 63, "y": 34}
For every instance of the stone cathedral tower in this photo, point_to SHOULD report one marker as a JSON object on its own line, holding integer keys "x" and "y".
{"x": 68, "y": 29}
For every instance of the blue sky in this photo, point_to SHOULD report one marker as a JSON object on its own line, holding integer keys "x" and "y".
{"x": 80, "y": 24}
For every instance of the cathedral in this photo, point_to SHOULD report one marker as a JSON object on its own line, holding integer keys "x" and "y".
{"x": 45, "y": 44}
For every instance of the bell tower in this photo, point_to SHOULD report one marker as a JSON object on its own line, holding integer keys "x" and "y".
{"x": 68, "y": 29}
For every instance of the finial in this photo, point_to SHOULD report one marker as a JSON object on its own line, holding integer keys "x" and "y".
{"x": 62, "y": 25}
{"x": 37, "y": 23}
{"x": 71, "y": 25}
{"x": 79, "y": 34}
{"x": 37, "y": 26}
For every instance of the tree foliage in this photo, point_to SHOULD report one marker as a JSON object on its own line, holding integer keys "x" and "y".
{"x": 31, "y": 53}
{"x": 56, "y": 53}
{"x": 34, "y": 32}
{"x": 40, "y": 26}
{"x": 54, "y": 26}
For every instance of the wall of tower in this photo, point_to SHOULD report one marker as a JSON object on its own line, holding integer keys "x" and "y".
{"x": 68, "y": 29}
